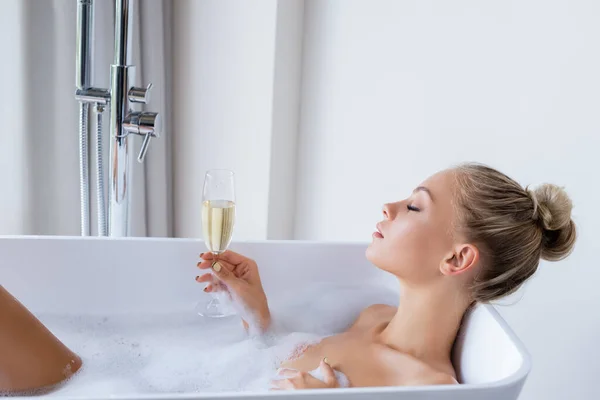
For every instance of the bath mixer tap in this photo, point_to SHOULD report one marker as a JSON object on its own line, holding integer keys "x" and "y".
{"x": 123, "y": 121}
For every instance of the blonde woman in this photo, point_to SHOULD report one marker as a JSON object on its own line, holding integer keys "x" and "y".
{"x": 465, "y": 235}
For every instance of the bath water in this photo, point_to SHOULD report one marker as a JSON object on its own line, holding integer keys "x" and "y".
{"x": 185, "y": 353}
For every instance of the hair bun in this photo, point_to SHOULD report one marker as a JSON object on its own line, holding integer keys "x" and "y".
{"x": 552, "y": 210}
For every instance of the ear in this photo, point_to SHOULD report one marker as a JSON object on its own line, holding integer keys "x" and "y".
{"x": 462, "y": 259}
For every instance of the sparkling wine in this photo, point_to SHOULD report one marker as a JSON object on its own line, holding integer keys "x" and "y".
{"x": 218, "y": 217}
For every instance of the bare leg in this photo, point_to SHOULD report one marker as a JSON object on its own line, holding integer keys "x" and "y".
{"x": 32, "y": 357}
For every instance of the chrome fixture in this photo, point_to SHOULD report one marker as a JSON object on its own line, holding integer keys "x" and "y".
{"x": 122, "y": 120}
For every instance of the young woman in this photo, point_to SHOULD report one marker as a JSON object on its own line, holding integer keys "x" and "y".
{"x": 465, "y": 235}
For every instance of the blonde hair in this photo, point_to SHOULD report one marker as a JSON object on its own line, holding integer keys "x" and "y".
{"x": 513, "y": 227}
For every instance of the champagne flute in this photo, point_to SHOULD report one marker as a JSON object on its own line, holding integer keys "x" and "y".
{"x": 218, "y": 218}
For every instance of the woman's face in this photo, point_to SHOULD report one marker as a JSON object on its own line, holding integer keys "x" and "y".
{"x": 415, "y": 235}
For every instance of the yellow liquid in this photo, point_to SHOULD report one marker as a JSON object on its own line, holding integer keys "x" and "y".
{"x": 218, "y": 217}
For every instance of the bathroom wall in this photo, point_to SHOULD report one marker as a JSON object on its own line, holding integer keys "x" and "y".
{"x": 236, "y": 75}
{"x": 394, "y": 91}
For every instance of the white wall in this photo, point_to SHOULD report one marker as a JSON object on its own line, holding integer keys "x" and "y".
{"x": 236, "y": 72}
{"x": 222, "y": 88}
{"x": 393, "y": 91}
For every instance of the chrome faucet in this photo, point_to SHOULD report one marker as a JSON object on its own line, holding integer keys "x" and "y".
{"x": 122, "y": 120}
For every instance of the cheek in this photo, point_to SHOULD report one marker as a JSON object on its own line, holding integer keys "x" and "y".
{"x": 404, "y": 245}
{"x": 408, "y": 250}
{"x": 407, "y": 243}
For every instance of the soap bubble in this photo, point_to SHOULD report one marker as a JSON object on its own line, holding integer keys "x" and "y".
{"x": 184, "y": 353}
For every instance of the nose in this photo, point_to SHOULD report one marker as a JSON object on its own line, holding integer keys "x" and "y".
{"x": 387, "y": 211}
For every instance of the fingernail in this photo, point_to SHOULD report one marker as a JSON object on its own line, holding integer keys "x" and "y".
{"x": 205, "y": 289}
{"x": 325, "y": 360}
{"x": 217, "y": 267}
{"x": 197, "y": 277}
{"x": 201, "y": 254}
{"x": 199, "y": 263}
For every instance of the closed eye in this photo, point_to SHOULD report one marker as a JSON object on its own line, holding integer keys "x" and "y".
{"x": 412, "y": 208}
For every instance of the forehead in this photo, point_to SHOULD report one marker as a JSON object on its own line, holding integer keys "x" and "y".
{"x": 443, "y": 212}
{"x": 442, "y": 188}
{"x": 441, "y": 184}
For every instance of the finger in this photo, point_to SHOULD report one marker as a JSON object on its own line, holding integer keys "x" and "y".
{"x": 228, "y": 267}
{"x": 328, "y": 374}
{"x": 214, "y": 284}
{"x": 205, "y": 278}
{"x": 211, "y": 279}
{"x": 223, "y": 272}
{"x": 288, "y": 372}
{"x": 307, "y": 380}
{"x": 239, "y": 270}
{"x": 220, "y": 287}
{"x": 215, "y": 287}
{"x": 285, "y": 384}
{"x": 206, "y": 264}
{"x": 232, "y": 257}
{"x": 245, "y": 271}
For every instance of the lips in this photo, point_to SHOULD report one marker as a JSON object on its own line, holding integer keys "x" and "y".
{"x": 377, "y": 233}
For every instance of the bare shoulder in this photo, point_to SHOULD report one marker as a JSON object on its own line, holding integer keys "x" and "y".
{"x": 374, "y": 314}
{"x": 379, "y": 311}
{"x": 406, "y": 370}
{"x": 432, "y": 378}
{"x": 422, "y": 373}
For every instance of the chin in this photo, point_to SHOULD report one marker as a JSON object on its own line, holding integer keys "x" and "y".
{"x": 371, "y": 255}
{"x": 375, "y": 258}
{"x": 368, "y": 252}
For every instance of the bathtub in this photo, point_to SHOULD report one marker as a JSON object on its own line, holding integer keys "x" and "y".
{"x": 96, "y": 277}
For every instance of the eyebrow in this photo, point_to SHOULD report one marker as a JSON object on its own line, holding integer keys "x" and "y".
{"x": 424, "y": 189}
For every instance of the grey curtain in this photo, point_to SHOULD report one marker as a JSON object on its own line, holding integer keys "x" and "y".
{"x": 39, "y": 153}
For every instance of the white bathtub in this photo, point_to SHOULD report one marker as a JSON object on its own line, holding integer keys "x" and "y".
{"x": 94, "y": 277}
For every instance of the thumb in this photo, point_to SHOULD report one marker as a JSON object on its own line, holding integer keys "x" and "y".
{"x": 222, "y": 270}
{"x": 328, "y": 374}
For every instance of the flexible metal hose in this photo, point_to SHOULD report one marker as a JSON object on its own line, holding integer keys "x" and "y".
{"x": 102, "y": 231}
{"x": 84, "y": 189}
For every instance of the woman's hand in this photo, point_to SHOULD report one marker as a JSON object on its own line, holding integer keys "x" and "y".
{"x": 303, "y": 380}
{"x": 239, "y": 276}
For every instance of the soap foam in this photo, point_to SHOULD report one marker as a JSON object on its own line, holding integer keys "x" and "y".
{"x": 185, "y": 353}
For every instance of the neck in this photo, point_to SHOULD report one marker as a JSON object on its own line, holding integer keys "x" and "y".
{"x": 426, "y": 323}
